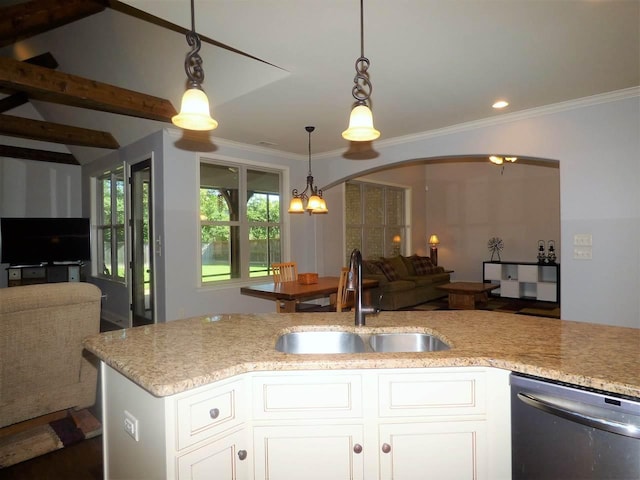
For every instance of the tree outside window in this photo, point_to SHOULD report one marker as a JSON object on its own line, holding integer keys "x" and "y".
{"x": 110, "y": 225}
{"x": 239, "y": 239}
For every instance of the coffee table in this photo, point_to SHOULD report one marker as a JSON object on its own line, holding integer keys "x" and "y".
{"x": 465, "y": 295}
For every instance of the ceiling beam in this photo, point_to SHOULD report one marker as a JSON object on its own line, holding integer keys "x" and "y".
{"x": 57, "y": 87}
{"x": 24, "y": 20}
{"x": 20, "y": 98}
{"x": 9, "y": 151}
{"x": 56, "y": 133}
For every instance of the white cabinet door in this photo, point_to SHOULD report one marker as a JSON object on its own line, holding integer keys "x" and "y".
{"x": 224, "y": 459}
{"x": 442, "y": 450}
{"x": 309, "y": 452}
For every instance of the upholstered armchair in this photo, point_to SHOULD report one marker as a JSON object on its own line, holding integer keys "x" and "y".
{"x": 43, "y": 367}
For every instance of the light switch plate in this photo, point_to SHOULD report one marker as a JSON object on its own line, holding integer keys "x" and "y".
{"x": 582, "y": 239}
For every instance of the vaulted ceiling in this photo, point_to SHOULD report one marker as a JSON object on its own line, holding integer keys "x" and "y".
{"x": 81, "y": 77}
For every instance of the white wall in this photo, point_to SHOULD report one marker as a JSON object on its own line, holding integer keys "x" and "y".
{"x": 29, "y": 188}
{"x": 597, "y": 144}
{"x": 469, "y": 203}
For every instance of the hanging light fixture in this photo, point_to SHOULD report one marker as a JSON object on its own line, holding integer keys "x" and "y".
{"x": 314, "y": 201}
{"x": 194, "y": 110}
{"x": 361, "y": 120}
{"x": 497, "y": 160}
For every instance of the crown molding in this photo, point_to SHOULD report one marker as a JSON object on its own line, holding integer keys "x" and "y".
{"x": 505, "y": 118}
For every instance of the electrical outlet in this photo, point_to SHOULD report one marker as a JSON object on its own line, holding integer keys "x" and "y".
{"x": 131, "y": 426}
{"x": 582, "y": 240}
{"x": 582, "y": 253}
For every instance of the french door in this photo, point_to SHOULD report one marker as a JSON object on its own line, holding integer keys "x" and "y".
{"x": 141, "y": 247}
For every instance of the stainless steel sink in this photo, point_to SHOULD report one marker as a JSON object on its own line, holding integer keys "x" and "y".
{"x": 320, "y": 342}
{"x": 406, "y": 342}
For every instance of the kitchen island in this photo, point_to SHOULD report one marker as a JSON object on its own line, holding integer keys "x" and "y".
{"x": 271, "y": 407}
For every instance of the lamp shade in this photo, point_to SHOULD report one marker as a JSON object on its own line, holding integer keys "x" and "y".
{"x": 434, "y": 240}
{"x": 322, "y": 207}
{"x": 360, "y": 125}
{"x": 194, "y": 112}
{"x": 314, "y": 202}
{"x": 296, "y": 206}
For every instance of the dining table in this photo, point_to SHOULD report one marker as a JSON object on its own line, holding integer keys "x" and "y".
{"x": 289, "y": 294}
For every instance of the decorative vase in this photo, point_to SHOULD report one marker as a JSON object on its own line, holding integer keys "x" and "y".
{"x": 542, "y": 257}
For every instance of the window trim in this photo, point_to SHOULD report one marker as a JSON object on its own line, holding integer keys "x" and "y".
{"x": 98, "y": 226}
{"x": 408, "y": 214}
{"x": 244, "y": 165}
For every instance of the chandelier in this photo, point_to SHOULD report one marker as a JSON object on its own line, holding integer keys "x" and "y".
{"x": 361, "y": 120}
{"x": 311, "y": 202}
{"x": 194, "y": 109}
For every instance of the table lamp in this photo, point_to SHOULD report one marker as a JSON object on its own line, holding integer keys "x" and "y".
{"x": 434, "y": 241}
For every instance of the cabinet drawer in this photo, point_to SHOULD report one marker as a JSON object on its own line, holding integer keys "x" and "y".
{"x": 412, "y": 395}
{"x": 36, "y": 272}
{"x": 209, "y": 413}
{"x": 307, "y": 396}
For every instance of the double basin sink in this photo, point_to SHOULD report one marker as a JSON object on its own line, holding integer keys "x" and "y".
{"x": 326, "y": 342}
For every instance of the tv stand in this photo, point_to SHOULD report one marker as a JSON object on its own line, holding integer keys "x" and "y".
{"x": 44, "y": 273}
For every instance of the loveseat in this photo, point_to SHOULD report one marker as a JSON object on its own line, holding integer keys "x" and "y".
{"x": 405, "y": 281}
{"x": 43, "y": 367}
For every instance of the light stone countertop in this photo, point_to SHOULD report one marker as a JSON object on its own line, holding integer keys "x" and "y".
{"x": 173, "y": 357}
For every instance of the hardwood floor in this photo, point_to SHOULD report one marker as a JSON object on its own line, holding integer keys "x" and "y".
{"x": 82, "y": 461}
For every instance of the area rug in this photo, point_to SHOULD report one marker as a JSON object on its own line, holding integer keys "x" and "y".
{"x": 507, "y": 305}
{"x": 39, "y": 440}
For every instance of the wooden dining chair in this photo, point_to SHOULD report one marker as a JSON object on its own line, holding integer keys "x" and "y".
{"x": 283, "y": 272}
{"x": 344, "y": 297}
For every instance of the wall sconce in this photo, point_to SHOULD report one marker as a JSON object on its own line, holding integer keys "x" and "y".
{"x": 434, "y": 241}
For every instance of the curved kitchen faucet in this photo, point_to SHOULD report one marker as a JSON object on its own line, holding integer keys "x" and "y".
{"x": 354, "y": 283}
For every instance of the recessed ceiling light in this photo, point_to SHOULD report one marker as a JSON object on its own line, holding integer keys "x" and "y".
{"x": 500, "y": 104}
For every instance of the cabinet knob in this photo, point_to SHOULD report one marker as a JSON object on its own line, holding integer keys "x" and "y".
{"x": 242, "y": 454}
{"x": 214, "y": 413}
{"x": 386, "y": 448}
{"x": 357, "y": 448}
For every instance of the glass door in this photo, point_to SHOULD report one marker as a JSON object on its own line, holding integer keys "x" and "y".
{"x": 141, "y": 248}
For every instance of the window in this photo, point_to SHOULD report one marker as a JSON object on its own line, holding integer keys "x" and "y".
{"x": 110, "y": 215}
{"x": 375, "y": 219}
{"x": 240, "y": 221}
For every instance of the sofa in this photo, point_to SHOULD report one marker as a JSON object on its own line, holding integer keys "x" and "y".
{"x": 43, "y": 366}
{"x": 405, "y": 281}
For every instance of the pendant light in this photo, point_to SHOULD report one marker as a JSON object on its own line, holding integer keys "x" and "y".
{"x": 314, "y": 202}
{"x": 361, "y": 120}
{"x": 194, "y": 110}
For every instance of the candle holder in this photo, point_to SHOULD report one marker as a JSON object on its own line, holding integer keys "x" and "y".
{"x": 542, "y": 257}
{"x": 551, "y": 255}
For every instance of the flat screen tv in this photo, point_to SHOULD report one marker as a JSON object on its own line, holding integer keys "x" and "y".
{"x": 33, "y": 241}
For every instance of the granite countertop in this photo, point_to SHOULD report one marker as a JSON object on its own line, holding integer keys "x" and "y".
{"x": 173, "y": 357}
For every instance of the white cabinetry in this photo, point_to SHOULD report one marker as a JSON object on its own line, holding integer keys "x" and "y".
{"x": 524, "y": 280}
{"x": 198, "y": 434}
{"x": 308, "y": 425}
{"x": 403, "y": 424}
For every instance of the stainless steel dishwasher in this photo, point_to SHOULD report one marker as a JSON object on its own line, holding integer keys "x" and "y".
{"x": 565, "y": 432}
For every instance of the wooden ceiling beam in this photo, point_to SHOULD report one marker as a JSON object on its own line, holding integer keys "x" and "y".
{"x": 24, "y": 20}
{"x": 39, "y": 155}
{"x": 56, "y": 133}
{"x": 57, "y": 87}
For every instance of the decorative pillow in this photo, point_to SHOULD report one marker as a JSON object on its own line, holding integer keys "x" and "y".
{"x": 372, "y": 267}
{"x": 388, "y": 270}
{"x": 423, "y": 265}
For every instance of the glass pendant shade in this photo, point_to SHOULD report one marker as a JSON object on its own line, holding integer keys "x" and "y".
{"x": 361, "y": 125}
{"x": 194, "y": 112}
{"x": 295, "y": 206}
{"x": 322, "y": 207}
{"x": 314, "y": 202}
